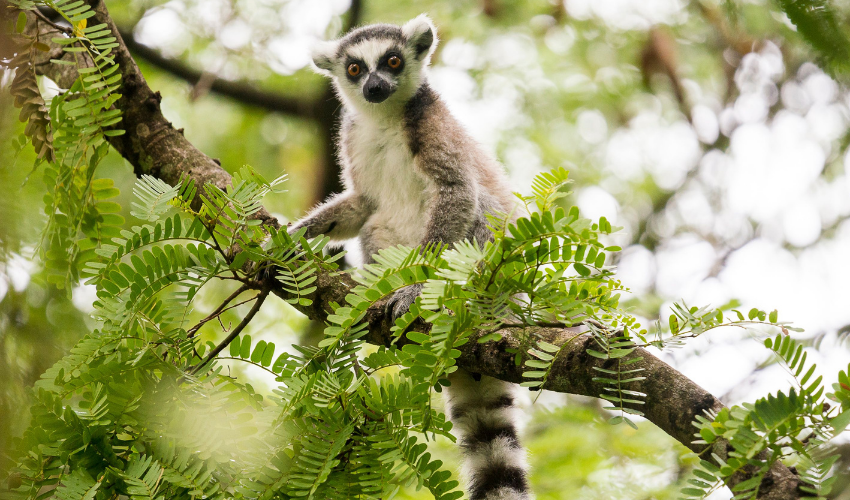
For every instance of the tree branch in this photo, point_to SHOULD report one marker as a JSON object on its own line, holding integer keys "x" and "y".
{"x": 153, "y": 147}
{"x": 243, "y": 92}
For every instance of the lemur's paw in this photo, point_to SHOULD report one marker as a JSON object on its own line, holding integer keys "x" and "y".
{"x": 267, "y": 273}
{"x": 400, "y": 302}
{"x": 292, "y": 227}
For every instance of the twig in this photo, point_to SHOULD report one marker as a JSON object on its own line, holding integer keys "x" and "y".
{"x": 220, "y": 309}
{"x": 63, "y": 29}
{"x": 258, "y": 365}
{"x": 235, "y": 333}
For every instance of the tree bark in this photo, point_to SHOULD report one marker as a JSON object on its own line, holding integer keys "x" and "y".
{"x": 154, "y": 147}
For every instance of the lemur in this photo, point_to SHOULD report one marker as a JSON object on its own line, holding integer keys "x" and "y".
{"x": 413, "y": 176}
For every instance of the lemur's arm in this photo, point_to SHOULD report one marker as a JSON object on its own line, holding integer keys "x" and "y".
{"x": 340, "y": 217}
{"x": 442, "y": 154}
{"x": 454, "y": 194}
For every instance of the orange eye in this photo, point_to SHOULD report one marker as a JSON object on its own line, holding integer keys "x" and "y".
{"x": 354, "y": 69}
{"x": 394, "y": 62}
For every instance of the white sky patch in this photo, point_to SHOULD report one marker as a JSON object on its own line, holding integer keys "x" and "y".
{"x": 487, "y": 111}
{"x": 523, "y": 160}
{"x": 705, "y": 123}
{"x": 826, "y": 122}
{"x": 636, "y": 269}
{"x": 628, "y": 14}
{"x": 682, "y": 265}
{"x": 667, "y": 151}
{"x": 794, "y": 97}
{"x": 772, "y": 166}
{"x": 461, "y": 54}
{"x": 163, "y": 29}
{"x": 594, "y": 202}
{"x": 235, "y": 34}
{"x": 801, "y": 223}
{"x": 309, "y": 17}
{"x": 710, "y": 291}
{"x": 820, "y": 88}
{"x": 702, "y": 358}
{"x": 592, "y": 126}
{"x": 693, "y": 206}
{"x": 510, "y": 51}
{"x": 750, "y": 107}
{"x": 803, "y": 289}
{"x": 290, "y": 52}
{"x": 83, "y": 297}
{"x": 19, "y": 272}
{"x": 560, "y": 39}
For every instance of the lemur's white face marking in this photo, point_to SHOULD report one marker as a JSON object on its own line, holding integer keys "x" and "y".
{"x": 378, "y": 67}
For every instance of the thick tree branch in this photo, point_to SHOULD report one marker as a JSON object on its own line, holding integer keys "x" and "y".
{"x": 153, "y": 147}
{"x": 151, "y": 144}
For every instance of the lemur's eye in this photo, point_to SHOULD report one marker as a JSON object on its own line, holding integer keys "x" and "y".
{"x": 394, "y": 62}
{"x": 353, "y": 69}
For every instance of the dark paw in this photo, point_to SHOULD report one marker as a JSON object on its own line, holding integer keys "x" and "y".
{"x": 400, "y": 302}
{"x": 267, "y": 273}
{"x": 293, "y": 228}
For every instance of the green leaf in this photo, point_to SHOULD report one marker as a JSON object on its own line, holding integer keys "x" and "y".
{"x": 259, "y": 351}
{"x": 22, "y": 22}
{"x": 245, "y": 347}
{"x": 581, "y": 269}
{"x": 840, "y": 422}
{"x": 674, "y": 323}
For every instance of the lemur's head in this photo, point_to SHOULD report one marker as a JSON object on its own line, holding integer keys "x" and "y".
{"x": 379, "y": 64}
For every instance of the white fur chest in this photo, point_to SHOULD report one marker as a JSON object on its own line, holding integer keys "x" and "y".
{"x": 381, "y": 167}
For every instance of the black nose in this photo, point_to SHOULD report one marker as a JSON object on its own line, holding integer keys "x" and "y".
{"x": 376, "y": 89}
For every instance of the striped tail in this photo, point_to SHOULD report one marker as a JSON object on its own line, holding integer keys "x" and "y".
{"x": 484, "y": 414}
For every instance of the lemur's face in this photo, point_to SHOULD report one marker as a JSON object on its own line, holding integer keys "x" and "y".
{"x": 379, "y": 63}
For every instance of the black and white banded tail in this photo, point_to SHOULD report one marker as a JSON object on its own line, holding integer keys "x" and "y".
{"x": 485, "y": 417}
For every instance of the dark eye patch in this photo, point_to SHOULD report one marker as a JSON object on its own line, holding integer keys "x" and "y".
{"x": 383, "y": 62}
{"x": 363, "y": 69}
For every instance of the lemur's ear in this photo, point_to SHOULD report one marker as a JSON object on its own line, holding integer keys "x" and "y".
{"x": 324, "y": 55}
{"x": 421, "y": 35}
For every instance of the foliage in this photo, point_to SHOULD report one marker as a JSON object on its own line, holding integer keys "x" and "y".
{"x": 118, "y": 414}
{"x": 796, "y": 425}
{"x": 818, "y": 22}
{"x": 70, "y": 138}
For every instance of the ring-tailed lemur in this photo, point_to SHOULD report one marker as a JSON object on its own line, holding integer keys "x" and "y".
{"x": 414, "y": 176}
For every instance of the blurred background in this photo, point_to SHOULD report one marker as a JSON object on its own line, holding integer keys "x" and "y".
{"x": 708, "y": 129}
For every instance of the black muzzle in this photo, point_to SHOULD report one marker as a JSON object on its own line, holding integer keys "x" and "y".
{"x": 376, "y": 89}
